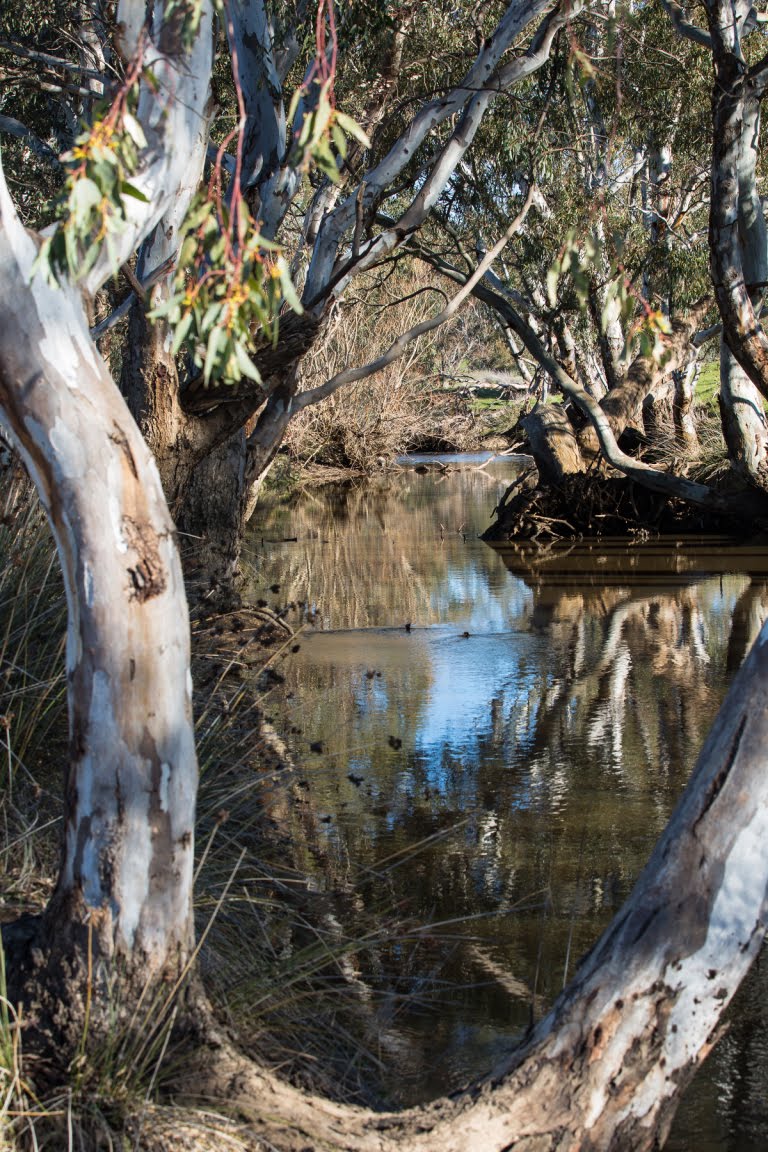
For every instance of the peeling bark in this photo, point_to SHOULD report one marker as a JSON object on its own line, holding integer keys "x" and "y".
{"x": 125, "y": 885}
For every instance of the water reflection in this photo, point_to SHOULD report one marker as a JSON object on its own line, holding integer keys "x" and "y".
{"x": 526, "y": 717}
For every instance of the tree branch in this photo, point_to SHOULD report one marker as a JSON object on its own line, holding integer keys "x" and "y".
{"x": 470, "y": 99}
{"x": 746, "y": 506}
{"x": 15, "y": 128}
{"x": 396, "y": 350}
{"x": 683, "y": 27}
{"x": 173, "y": 111}
{"x": 53, "y": 61}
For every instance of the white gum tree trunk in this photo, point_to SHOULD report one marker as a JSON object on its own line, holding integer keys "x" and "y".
{"x": 124, "y": 892}
{"x": 132, "y": 776}
{"x": 604, "y": 1070}
{"x": 743, "y": 418}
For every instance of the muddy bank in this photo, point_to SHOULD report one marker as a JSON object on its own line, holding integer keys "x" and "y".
{"x": 590, "y": 504}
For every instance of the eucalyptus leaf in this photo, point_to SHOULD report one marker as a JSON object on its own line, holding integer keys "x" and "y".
{"x": 181, "y": 331}
{"x": 84, "y": 198}
{"x": 134, "y": 130}
{"x": 215, "y": 341}
{"x": 128, "y": 189}
{"x": 245, "y": 364}
{"x": 352, "y": 128}
{"x": 290, "y": 294}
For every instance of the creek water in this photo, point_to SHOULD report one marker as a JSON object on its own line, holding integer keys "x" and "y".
{"x": 490, "y": 742}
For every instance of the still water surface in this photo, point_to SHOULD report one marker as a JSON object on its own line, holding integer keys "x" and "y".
{"x": 526, "y": 719}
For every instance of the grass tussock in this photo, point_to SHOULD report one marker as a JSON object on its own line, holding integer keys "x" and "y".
{"x": 292, "y": 941}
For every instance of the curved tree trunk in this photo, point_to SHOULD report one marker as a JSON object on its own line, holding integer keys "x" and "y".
{"x": 604, "y": 1070}
{"x": 122, "y": 904}
{"x": 736, "y": 225}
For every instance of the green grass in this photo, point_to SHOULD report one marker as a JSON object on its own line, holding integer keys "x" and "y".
{"x": 708, "y": 384}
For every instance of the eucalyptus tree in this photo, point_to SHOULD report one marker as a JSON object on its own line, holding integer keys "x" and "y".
{"x": 616, "y": 241}
{"x": 114, "y": 949}
{"x": 737, "y": 231}
{"x": 215, "y": 443}
{"x": 618, "y": 227}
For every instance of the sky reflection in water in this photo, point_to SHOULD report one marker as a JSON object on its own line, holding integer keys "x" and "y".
{"x": 538, "y": 756}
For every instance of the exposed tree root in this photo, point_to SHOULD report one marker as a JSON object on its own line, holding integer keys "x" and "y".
{"x": 589, "y": 504}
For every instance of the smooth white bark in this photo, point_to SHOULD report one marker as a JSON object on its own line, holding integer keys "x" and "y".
{"x": 174, "y": 111}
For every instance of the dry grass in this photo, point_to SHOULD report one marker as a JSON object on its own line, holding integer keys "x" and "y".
{"x": 407, "y": 405}
{"x": 707, "y": 462}
{"x": 280, "y": 958}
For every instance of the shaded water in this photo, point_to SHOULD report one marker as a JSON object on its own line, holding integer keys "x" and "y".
{"x": 527, "y": 718}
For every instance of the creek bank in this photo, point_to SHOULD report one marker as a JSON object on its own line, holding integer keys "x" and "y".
{"x": 592, "y": 504}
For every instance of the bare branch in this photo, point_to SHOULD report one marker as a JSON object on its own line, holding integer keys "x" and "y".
{"x": 683, "y": 27}
{"x": 38, "y": 146}
{"x": 396, "y": 350}
{"x": 53, "y": 61}
{"x": 140, "y": 289}
{"x": 471, "y": 100}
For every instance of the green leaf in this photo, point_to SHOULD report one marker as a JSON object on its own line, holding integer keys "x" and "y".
{"x": 293, "y": 106}
{"x": 289, "y": 291}
{"x": 88, "y": 261}
{"x": 339, "y": 141}
{"x": 609, "y": 305}
{"x": 107, "y": 155}
{"x": 70, "y": 248}
{"x": 134, "y": 130}
{"x": 111, "y": 254}
{"x": 214, "y": 343}
{"x": 211, "y": 316}
{"x": 187, "y": 253}
{"x": 553, "y": 278}
{"x": 84, "y": 197}
{"x": 352, "y": 128}
{"x": 326, "y": 161}
{"x": 128, "y": 189}
{"x": 105, "y": 175}
{"x": 245, "y": 364}
{"x": 265, "y": 245}
{"x": 322, "y": 114}
{"x": 180, "y": 333}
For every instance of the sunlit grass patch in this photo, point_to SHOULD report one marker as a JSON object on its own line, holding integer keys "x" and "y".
{"x": 708, "y": 384}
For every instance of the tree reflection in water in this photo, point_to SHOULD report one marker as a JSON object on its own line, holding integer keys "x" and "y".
{"x": 503, "y": 767}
